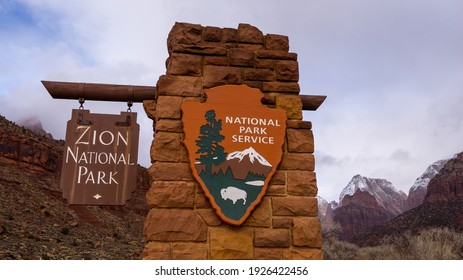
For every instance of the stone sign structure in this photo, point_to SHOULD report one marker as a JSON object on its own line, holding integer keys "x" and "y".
{"x": 182, "y": 223}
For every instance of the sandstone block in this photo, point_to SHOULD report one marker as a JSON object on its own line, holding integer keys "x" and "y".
{"x": 276, "y": 190}
{"x": 298, "y": 124}
{"x": 201, "y": 201}
{"x": 168, "y": 171}
{"x": 283, "y": 87}
{"x": 276, "y": 54}
{"x": 241, "y": 57}
{"x": 268, "y": 253}
{"x": 212, "y": 34}
{"x": 252, "y": 74}
{"x": 229, "y": 35}
{"x": 201, "y": 49}
{"x": 157, "y": 251}
{"x": 174, "y": 194}
{"x": 184, "y": 33}
{"x": 264, "y": 63}
{"x": 301, "y": 253}
{"x": 189, "y": 251}
{"x": 179, "y": 86}
{"x": 249, "y": 34}
{"x": 262, "y": 215}
{"x": 279, "y": 178}
{"x": 297, "y": 161}
{"x": 168, "y": 125}
{"x": 221, "y": 75}
{"x": 185, "y": 64}
{"x": 294, "y": 206}
{"x": 307, "y": 232}
{"x": 254, "y": 84}
{"x": 251, "y": 47}
{"x": 287, "y": 70}
{"x": 215, "y": 60}
{"x": 300, "y": 140}
{"x": 268, "y": 237}
{"x": 184, "y": 154}
{"x": 231, "y": 243}
{"x": 165, "y": 147}
{"x": 302, "y": 183}
{"x": 209, "y": 216}
{"x": 174, "y": 225}
{"x": 282, "y": 222}
{"x": 291, "y": 104}
{"x": 276, "y": 42}
{"x": 168, "y": 107}
{"x": 150, "y": 108}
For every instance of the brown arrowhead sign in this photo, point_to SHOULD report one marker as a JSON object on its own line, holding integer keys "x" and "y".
{"x": 234, "y": 145}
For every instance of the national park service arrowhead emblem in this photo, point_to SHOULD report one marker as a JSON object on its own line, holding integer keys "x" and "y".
{"x": 234, "y": 146}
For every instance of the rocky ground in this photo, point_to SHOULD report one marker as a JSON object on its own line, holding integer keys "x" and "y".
{"x": 37, "y": 223}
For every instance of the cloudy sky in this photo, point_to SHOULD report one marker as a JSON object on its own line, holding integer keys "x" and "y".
{"x": 392, "y": 70}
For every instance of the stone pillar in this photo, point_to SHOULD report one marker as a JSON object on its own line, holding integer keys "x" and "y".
{"x": 181, "y": 223}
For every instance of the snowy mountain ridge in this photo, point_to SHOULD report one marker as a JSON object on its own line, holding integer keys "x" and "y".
{"x": 431, "y": 171}
{"x": 384, "y": 191}
{"x": 253, "y": 155}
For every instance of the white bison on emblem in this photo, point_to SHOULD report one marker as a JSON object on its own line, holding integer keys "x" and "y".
{"x": 234, "y": 194}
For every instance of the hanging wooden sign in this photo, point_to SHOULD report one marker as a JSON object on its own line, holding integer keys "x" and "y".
{"x": 100, "y": 158}
{"x": 234, "y": 145}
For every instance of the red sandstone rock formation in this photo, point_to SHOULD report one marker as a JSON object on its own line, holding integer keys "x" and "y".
{"x": 365, "y": 203}
{"x": 419, "y": 189}
{"x": 360, "y": 212}
{"x": 447, "y": 186}
{"x": 442, "y": 207}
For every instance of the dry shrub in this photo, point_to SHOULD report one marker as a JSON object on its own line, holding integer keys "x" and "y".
{"x": 335, "y": 249}
{"x": 437, "y": 244}
{"x": 428, "y": 244}
{"x": 382, "y": 252}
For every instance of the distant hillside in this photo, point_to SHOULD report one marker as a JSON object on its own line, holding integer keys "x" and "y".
{"x": 37, "y": 223}
{"x": 419, "y": 189}
{"x": 442, "y": 207}
{"x": 364, "y": 203}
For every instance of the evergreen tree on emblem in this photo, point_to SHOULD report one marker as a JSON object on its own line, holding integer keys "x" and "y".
{"x": 210, "y": 150}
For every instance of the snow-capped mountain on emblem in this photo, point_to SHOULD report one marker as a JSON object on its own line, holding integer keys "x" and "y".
{"x": 241, "y": 163}
{"x": 251, "y": 153}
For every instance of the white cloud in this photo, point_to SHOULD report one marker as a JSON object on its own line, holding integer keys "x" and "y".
{"x": 392, "y": 70}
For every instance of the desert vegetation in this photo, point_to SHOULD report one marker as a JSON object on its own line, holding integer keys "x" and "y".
{"x": 427, "y": 244}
